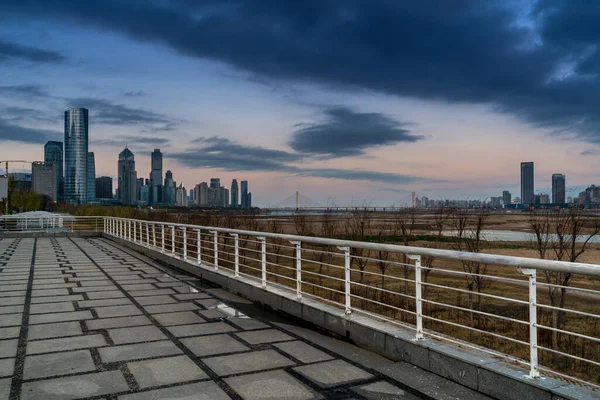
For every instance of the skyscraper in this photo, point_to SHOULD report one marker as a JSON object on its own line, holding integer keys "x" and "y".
{"x": 527, "y": 183}
{"x": 215, "y": 183}
{"x": 76, "y": 152}
{"x": 127, "y": 177}
{"x": 91, "y": 177}
{"x": 43, "y": 179}
{"x": 53, "y": 154}
{"x": 558, "y": 188}
{"x": 506, "y": 197}
{"x": 104, "y": 187}
{"x": 156, "y": 176}
{"x": 244, "y": 189}
{"x": 169, "y": 188}
{"x": 234, "y": 194}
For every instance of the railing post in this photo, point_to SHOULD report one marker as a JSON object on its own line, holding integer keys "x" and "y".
{"x": 154, "y": 235}
{"x": 263, "y": 260}
{"x": 236, "y": 245}
{"x": 348, "y": 278}
{"x": 148, "y": 234}
{"x": 533, "y": 346}
{"x": 184, "y": 243}
{"x": 199, "y": 245}
{"x": 173, "y": 240}
{"x": 134, "y": 231}
{"x": 216, "y": 248}
{"x": 162, "y": 244}
{"x": 298, "y": 268}
{"x": 418, "y": 296}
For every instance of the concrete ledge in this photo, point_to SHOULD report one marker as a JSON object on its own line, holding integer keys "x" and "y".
{"x": 473, "y": 369}
{"x": 9, "y": 235}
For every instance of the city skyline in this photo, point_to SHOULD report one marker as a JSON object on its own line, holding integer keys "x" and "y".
{"x": 292, "y": 117}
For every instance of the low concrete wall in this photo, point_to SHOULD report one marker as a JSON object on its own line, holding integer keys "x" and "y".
{"x": 473, "y": 369}
{"x": 48, "y": 234}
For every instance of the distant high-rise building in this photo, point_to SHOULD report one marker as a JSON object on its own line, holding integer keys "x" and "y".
{"x": 91, "y": 177}
{"x": 104, "y": 187}
{"x": 202, "y": 194}
{"x": 181, "y": 196}
{"x": 215, "y": 183}
{"x": 53, "y": 154}
{"x": 156, "y": 176}
{"x": 127, "y": 183}
{"x": 527, "y": 183}
{"x": 244, "y": 190}
{"x": 544, "y": 198}
{"x": 43, "y": 179}
{"x": 234, "y": 194}
{"x": 558, "y": 188}
{"x": 76, "y": 153}
{"x": 506, "y": 197}
{"x": 169, "y": 189}
{"x": 249, "y": 201}
{"x": 414, "y": 199}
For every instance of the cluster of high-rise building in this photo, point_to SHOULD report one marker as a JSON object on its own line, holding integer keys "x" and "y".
{"x": 217, "y": 196}
{"x": 68, "y": 172}
{"x": 156, "y": 191}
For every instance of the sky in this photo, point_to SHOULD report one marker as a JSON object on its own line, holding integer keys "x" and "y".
{"x": 348, "y": 102}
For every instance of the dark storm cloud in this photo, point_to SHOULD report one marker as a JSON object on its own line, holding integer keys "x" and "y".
{"x": 106, "y": 112}
{"x": 16, "y": 133}
{"x": 542, "y": 67}
{"x": 10, "y": 51}
{"x": 218, "y": 146}
{"x": 221, "y": 153}
{"x": 348, "y": 133}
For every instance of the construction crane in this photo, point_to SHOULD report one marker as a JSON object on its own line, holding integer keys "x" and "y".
{"x": 13, "y": 161}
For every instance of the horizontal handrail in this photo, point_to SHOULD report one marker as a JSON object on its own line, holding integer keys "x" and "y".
{"x": 484, "y": 258}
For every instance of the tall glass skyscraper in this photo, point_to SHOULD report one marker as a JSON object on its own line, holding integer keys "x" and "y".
{"x": 91, "y": 177}
{"x": 156, "y": 176}
{"x": 76, "y": 154}
{"x": 527, "y": 183}
{"x": 244, "y": 196}
{"x": 127, "y": 178}
{"x": 234, "y": 194}
{"x": 53, "y": 154}
{"x": 558, "y": 188}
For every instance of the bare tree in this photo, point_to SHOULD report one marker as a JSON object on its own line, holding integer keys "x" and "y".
{"x": 302, "y": 223}
{"x": 469, "y": 237}
{"x": 563, "y": 236}
{"x": 405, "y": 222}
{"x": 440, "y": 223}
{"x": 357, "y": 226}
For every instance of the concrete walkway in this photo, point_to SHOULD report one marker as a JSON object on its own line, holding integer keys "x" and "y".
{"x": 85, "y": 319}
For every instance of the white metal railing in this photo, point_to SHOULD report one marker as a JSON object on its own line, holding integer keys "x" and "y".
{"x": 421, "y": 296}
{"x": 50, "y": 222}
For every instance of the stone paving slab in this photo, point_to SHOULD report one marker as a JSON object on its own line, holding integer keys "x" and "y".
{"x": 197, "y": 391}
{"x": 165, "y": 371}
{"x": 136, "y": 334}
{"x": 75, "y": 387}
{"x": 214, "y": 344}
{"x": 333, "y": 373}
{"x": 53, "y": 364}
{"x": 247, "y": 362}
{"x": 60, "y": 329}
{"x": 273, "y": 383}
{"x": 105, "y": 322}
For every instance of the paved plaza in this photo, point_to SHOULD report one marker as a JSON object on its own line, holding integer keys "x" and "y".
{"x": 84, "y": 318}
